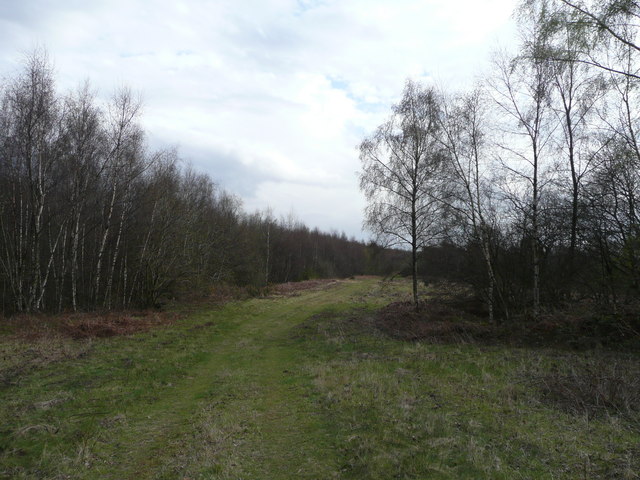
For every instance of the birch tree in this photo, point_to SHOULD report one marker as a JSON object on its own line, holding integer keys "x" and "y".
{"x": 29, "y": 157}
{"x": 399, "y": 176}
{"x": 521, "y": 92}
{"x": 83, "y": 145}
{"x": 122, "y": 166}
{"x": 464, "y": 129}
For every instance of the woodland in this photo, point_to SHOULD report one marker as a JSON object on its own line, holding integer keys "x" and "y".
{"x": 91, "y": 218}
{"x": 525, "y": 186}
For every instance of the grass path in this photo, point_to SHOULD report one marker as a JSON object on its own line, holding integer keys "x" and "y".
{"x": 299, "y": 388}
{"x": 270, "y": 421}
{"x": 222, "y": 394}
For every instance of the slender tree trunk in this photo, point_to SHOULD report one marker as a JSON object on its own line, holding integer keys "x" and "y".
{"x": 47, "y": 271}
{"x": 143, "y": 253}
{"x": 574, "y": 198}
{"x": 414, "y": 250}
{"x": 103, "y": 243}
{"x": 74, "y": 262}
{"x": 63, "y": 270}
{"x": 266, "y": 267}
{"x": 125, "y": 277}
{"x": 534, "y": 239}
{"x": 414, "y": 259}
{"x": 114, "y": 260}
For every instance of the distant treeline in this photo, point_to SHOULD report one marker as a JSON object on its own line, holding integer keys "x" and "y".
{"x": 91, "y": 218}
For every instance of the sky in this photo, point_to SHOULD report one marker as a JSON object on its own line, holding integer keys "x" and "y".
{"x": 269, "y": 97}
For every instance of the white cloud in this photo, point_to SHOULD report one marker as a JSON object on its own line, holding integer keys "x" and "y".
{"x": 271, "y": 97}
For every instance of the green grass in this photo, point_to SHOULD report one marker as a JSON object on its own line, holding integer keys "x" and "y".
{"x": 296, "y": 387}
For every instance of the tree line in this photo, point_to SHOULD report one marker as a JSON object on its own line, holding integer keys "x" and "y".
{"x": 527, "y": 184}
{"x": 91, "y": 218}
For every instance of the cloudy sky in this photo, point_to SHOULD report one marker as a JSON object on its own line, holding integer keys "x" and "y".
{"x": 270, "y": 97}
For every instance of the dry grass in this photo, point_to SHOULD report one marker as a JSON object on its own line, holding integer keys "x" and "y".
{"x": 463, "y": 409}
{"x": 36, "y": 341}
{"x": 450, "y": 313}
{"x": 19, "y": 356}
{"x": 433, "y": 322}
{"x": 594, "y": 386}
{"x": 291, "y": 289}
{"x": 84, "y": 325}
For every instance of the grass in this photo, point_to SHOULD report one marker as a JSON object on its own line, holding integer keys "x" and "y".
{"x": 303, "y": 387}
